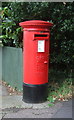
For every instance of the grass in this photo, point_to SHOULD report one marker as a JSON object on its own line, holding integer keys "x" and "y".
{"x": 60, "y": 86}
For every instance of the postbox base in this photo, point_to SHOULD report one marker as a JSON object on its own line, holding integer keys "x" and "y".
{"x": 34, "y": 93}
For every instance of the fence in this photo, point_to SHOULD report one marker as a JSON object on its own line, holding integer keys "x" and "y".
{"x": 12, "y": 66}
{"x": 0, "y": 63}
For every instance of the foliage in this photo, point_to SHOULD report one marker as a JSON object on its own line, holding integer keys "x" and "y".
{"x": 60, "y": 89}
{"x": 62, "y": 45}
{"x": 61, "y": 14}
{"x": 10, "y": 31}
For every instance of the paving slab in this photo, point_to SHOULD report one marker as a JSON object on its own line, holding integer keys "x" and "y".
{"x": 16, "y": 101}
{"x": 14, "y": 107}
{"x": 4, "y": 91}
{"x": 65, "y": 111}
{"x": 0, "y": 114}
{"x": 59, "y": 110}
{"x": 10, "y": 101}
{"x": 35, "y": 113}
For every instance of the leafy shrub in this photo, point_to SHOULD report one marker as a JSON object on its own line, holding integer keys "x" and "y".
{"x": 61, "y": 14}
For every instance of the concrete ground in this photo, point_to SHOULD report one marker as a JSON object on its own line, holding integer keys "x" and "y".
{"x": 14, "y": 107}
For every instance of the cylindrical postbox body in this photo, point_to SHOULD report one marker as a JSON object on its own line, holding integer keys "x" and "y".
{"x": 36, "y": 44}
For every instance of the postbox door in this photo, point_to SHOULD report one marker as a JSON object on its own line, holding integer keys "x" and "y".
{"x": 36, "y": 58}
{"x": 41, "y": 43}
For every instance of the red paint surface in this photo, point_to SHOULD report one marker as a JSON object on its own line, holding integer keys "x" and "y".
{"x": 35, "y": 64}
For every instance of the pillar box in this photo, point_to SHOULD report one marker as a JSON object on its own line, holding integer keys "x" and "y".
{"x": 36, "y": 45}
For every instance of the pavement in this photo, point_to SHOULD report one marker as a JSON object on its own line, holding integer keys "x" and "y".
{"x": 12, "y": 106}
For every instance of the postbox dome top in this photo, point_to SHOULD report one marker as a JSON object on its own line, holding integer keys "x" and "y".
{"x": 35, "y": 24}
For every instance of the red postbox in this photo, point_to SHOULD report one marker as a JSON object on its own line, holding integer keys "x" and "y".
{"x": 36, "y": 45}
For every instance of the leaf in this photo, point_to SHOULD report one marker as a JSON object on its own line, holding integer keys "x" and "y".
{"x": 18, "y": 29}
{"x": 3, "y": 36}
{"x": 50, "y": 105}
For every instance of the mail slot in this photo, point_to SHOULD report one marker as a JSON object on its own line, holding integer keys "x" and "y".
{"x": 36, "y": 44}
{"x": 41, "y": 36}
